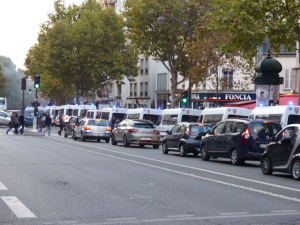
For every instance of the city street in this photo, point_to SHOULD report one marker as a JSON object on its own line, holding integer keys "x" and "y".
{"x": 48, "y": 180}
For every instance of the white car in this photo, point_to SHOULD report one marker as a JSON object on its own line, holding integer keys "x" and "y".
{"x": 96, "y": 129}
{"x": 4, "y": 118}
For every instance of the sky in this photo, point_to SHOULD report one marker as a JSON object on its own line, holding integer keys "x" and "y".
{"x": 20, "y": 22}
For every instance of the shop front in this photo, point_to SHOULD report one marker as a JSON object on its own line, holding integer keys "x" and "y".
{"x": 138, "y": 103}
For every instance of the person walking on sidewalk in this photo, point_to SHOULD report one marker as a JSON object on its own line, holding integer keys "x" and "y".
{"x": 17, "y": 123}
{"x": 61, "y": 124}
{"x": 40, "y": 123}
{"x": 22, "y": 122}
{"x": 48, "y": 124}
{"x": 12, "y": 122}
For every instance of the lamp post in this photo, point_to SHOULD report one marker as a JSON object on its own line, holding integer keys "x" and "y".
{"x": 161, "y": 20}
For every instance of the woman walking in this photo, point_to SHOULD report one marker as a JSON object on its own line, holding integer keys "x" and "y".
{"x": 48, "y": 124}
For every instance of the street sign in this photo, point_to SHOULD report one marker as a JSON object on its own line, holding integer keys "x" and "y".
{"x": 80, "y": 99}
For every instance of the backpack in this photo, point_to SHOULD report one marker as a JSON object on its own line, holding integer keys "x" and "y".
{"x": 17, "y": 120}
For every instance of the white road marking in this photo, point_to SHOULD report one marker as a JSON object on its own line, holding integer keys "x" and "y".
{"x": 182, "y": 173}
{"x": 180, "y": 216}
{"x": 284, "y": 211}
{"x": 18, "y": 208}
{"x": 122, "y": 219}
{"x": 234, "y": 213}
{"x": 2, "y": 187}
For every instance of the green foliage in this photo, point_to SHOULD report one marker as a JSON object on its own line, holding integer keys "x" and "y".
{"x": 80, "y": 49}
{"x": 2, "y": 81}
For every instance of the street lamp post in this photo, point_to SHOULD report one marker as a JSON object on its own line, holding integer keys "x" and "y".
{"x": 161, "y": 20}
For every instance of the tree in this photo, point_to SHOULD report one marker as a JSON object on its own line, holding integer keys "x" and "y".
{"x": 81, "y": 48}
{"x": 2, "y": 81}
{"x": 166, "y": 42}
{"x": 251, "y": 21}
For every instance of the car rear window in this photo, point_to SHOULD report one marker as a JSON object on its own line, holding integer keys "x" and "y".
{"x": 196, "y": 129}
{"x": 144, "y": 125}
{"x": 263, "y": 130}
{"x": 98, "y": 123}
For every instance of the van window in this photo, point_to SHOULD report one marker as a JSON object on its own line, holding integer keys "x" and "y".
{"x": 212, "y": 119}
{"x": 75, "y": 112}
{"x": 152, "y": 118}
{"x": 236, "y": 116}
{"x": 169, "y": 119}
{"x": 159, "y": 120}
{"x": 189, "y": 118}
{"x": 105, "y": 115}
{"x": 292, "y": 119}
{"x": 133, "y": 116}
{"x": 119, "y": 116}
{"x": 276, "y": 118}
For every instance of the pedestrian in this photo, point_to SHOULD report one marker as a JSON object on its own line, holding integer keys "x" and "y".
{"x": 48, "y": 122}
{"x": 17, "y": 123}
{"x": 112, "y": 123}
{"x": 40, "y": 123}
{"x": 61, "y": 124}
{"x": 11, "y": 124}
{"x": 22, "y": 122}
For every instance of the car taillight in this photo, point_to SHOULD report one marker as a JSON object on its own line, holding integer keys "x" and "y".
{"x": 74, "y": 126}
{"x": 156, "y": 131}
{"x": 132, "y": 130}
{"x": 246, "y": 135}
{"x": 87, "y": 128}
{"x": 108, "y": 128}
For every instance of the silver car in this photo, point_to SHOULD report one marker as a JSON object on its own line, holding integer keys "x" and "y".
{"x": 140, "y": 132}
{"x": 4, "y": 118}
{"x": 92, "y": 129}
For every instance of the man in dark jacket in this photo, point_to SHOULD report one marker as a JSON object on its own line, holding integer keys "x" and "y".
{"x": 22, "y": 122}
{"x": 48, "y": 122}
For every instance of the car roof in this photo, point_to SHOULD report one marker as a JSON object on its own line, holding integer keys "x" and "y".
{"x": 248, "y": 120}
{"x": 139, "y": 120}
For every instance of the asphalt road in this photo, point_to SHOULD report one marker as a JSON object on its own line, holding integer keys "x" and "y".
{"x": 55, "y": 180}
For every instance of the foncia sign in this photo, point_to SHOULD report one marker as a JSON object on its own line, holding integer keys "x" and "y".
{"x": 225, "y": 96}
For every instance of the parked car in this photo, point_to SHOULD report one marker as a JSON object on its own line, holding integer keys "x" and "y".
{"x": 136, "y": 131}
{"x": 4, "y": 118}
{"x": 96, "y": 129}
{"x": 239, "y": 139}
{"x": 283, "y": 153}
{"x": 71, "y": 124}
{"x": 185, "y": 138}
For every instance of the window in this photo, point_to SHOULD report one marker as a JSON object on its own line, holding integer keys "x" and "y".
{"x": 228, "y": 79}
{"x": 287, "y": 78}
{"x": 169, "y": 120}
{"x": 135, "y": 89}
{"x": 238, "y": 127}
{"x": 146, "y": 66}
{"x": 212, "y": 119}
{"x": 218, "y": 129}
{"x": 189, "y": 118}
{"x": 131, "y": 89}
{"x": 175, "y": 129}
{"x": 142, "y": 66}
{"x": 229, "y": 127}
{"x": 141, "y": 89}
{"x": 146, "y": 89}
{"x": 119, "y": 89}
{"x": 105, "y": 115}
{"x": 162, "y": 82}
{"x": 133, "y": 116}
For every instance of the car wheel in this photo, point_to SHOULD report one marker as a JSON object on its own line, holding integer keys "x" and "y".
{"x": 182, "y": 150}
{"x": 107, "y": 140}
{"x": 142, "y": 145}
{"x": 65, "y": 135}
{"x": 113, "y": 141}
{"x": 155, "y": 146}
{"x": 204, "y": 155}
{"x": 125, "y": 142}
{"x": 265, "y": 165}
{"x": 82, "y": 137}
{"x": 165, "y": 148}
{"x": 98, "y": 139}
{"x": 296, "y": 169}
{"x": 74, "y": 136}
{"x": 235, "y": 160}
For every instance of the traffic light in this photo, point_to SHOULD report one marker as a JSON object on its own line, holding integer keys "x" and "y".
{"x": 185, "y": 96}
{"x": 37, "y": 81}
{"x": 29, "y": 91}
{"x": 36, "y": 111}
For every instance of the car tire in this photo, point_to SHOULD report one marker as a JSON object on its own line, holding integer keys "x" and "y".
{"x": 182, "y": 150}
{"x": 165, "y": 148}
{"x": 125, "y": 142}
{"x": 204, "y": 155}
{"x": 296, "y": 169}
{"x": 65, "y": 135}
{"x": 82, "y": 137}
{"x": 98, "y": 139}
{"x": 234, "y": 157}
{"x": 113, "y": 141}
{"x": 142, "y": 145}
{"x": 266, "y": 165}
{"x": 107, "y": 140}
{"x": 74, "y": 136}
{"x": 155, "y": 146}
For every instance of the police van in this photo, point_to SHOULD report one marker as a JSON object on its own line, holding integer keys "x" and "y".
{"x": 118, "y": 113}
{"x": 284, "y": 114}
{"x": 93, "y": 113}
{"x": 215, "y": 115}
{"x": 143, "y": 114}
{"x": 170, "y": 117}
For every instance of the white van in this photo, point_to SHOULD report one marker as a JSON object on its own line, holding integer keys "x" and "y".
{"x": 284, "y": 114}
{"x": 143, "y": 114}
{"x": 215, "y": 115}
{"x": 93, "y": 113}
{"x": 170, "y": 117}
{"x": 82, "y": 111}
{"x": 118, "y": 113}
{"x": 67, "y": 111}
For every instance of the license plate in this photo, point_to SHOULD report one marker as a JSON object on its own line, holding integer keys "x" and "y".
{"x": 145, "y": 139}
{"x": 262, "y": 145}
{"x": 98, "y": 134}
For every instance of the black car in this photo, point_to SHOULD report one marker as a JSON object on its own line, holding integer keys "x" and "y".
{"x": 185, "y": 138}
{"x": 238, "y": 139}
{"x": 283, "y": 153}
{"x": 71, "y": 124}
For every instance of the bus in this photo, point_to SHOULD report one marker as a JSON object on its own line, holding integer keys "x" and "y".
{"x": 3, "y": 103}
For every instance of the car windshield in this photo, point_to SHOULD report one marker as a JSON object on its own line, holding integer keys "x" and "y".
{"x": 263, "y": 130}
{"x": 196, "y": 129}
{"x": 143, "y": 125}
